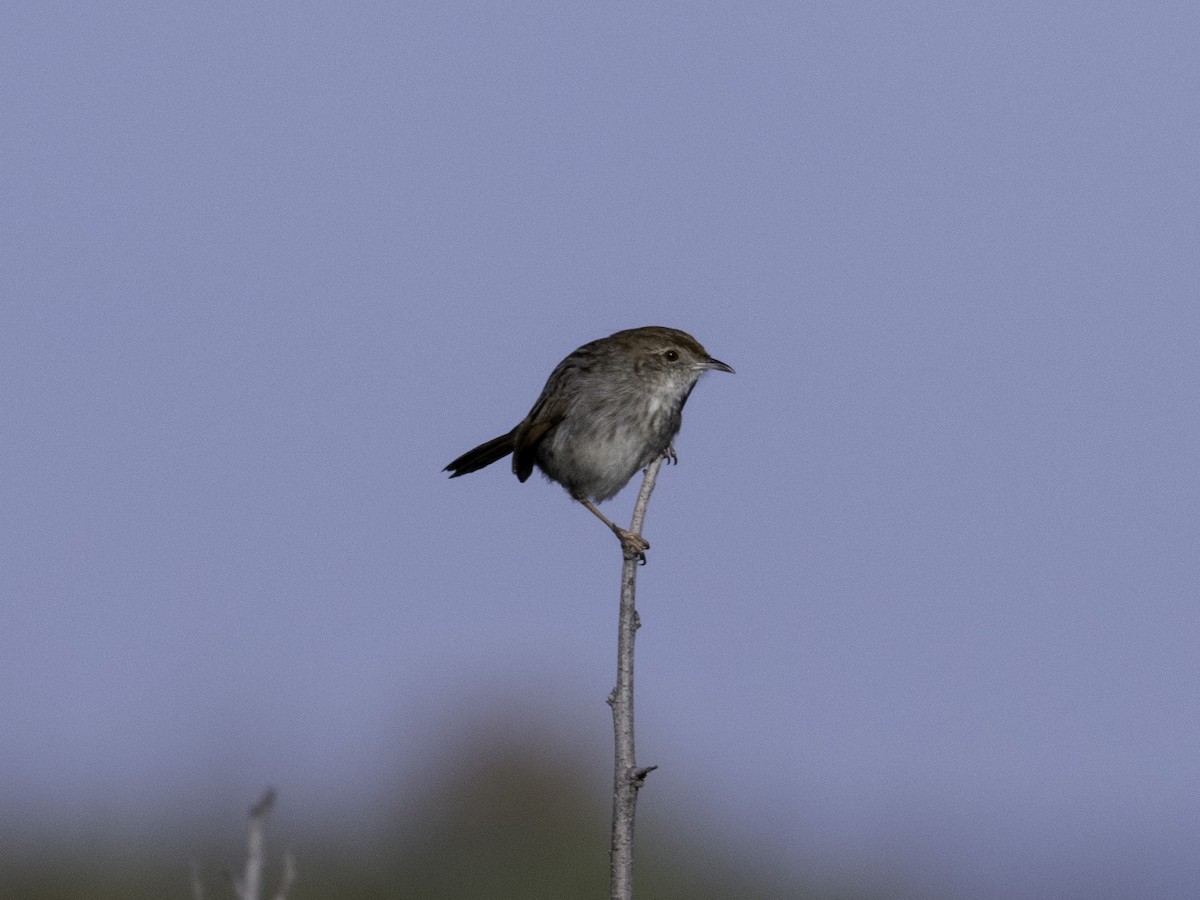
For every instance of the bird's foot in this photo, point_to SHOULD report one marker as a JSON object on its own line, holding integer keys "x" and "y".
{"x": 670, "y": 455}
{"x": 633, "y": 546}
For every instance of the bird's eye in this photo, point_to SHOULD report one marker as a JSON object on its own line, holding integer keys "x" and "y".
{"x": 671, "y": 355}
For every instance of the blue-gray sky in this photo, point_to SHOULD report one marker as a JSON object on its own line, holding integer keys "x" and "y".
{"x": 923, "y": 587}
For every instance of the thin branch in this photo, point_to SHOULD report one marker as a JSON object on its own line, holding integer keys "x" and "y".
{"x": 627, "y": 777}
{"x": 248, "y": 886}
{"x": 197, "y": 882}
{"x": 256, "y": 840}
{"x": 288, "y": 878}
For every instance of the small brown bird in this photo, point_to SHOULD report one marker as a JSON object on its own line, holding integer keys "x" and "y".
{"x": 609, "y": 409}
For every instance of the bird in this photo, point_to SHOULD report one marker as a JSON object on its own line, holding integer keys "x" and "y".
{"x": 607, "y": 410}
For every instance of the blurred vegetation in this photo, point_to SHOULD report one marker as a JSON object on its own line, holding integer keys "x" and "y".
{"x": 495, "y": 826}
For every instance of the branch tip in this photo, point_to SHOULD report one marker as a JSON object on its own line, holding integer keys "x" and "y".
{"x": 639, "y": 775}
{"x": 264, "y": 804}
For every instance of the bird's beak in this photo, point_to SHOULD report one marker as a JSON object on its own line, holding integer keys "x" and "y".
{"x": 718, "y": 365}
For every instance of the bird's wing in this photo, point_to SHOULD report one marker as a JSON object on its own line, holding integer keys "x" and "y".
{"x": 542, "y": 419}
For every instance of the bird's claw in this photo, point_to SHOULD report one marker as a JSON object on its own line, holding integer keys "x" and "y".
{"x": 633, "y": 546}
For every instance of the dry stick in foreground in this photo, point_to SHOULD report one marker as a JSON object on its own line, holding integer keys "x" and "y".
{"x": 627, "y": 777}
{"x": 249, "y": 885}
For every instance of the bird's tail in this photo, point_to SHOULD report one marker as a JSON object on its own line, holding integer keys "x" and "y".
{"x": 483, "y": 455}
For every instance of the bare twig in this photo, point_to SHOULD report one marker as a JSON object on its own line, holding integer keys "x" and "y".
{"x": 627, "y": 777}
{"x": 197, "y": 882}
{"x": 288, "y": 878}
{"x": 249, "y": 886}
{"x": 256, "y": 841}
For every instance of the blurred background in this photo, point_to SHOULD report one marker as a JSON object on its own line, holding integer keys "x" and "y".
{"x": 920, "y": 617}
